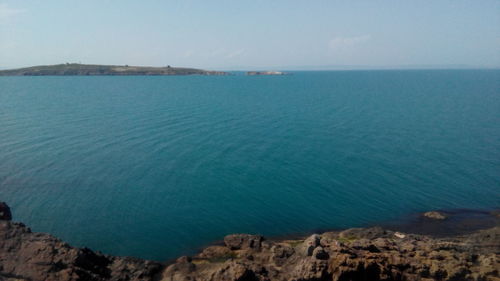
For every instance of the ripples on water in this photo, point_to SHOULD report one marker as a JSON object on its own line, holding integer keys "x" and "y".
{"x": 157, "y": 167}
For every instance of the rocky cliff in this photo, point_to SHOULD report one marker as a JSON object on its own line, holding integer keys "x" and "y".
{"x": 353, "y": 254}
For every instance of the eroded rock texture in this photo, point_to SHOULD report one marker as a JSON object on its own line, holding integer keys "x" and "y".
{"x": 25, "y": 255}
{"x": 355, "y": 254}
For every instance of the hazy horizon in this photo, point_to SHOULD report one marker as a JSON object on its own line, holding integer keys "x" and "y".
{"x": 307, "y": 67}
{"x": 284, "y": 35}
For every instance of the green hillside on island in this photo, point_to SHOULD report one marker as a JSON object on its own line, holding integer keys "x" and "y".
{"x": 94, "y": 69}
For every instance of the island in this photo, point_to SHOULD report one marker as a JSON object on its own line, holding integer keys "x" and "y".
{"x": 363, "y": 254}
{"x": 253, "y": 73}
{"x": 96, "y": 69}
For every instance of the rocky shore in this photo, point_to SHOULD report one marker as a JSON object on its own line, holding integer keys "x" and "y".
{"x": 353, "y": 254}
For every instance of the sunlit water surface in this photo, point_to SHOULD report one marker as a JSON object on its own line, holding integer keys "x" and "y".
{"x": 157, "y": 167}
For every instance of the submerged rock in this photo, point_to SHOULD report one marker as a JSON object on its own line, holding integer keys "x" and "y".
{"x": 435, "y": 215}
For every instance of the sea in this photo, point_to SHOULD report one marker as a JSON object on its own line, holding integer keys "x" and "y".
{"x": 160, "y": 166}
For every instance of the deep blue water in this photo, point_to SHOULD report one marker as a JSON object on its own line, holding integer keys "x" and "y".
{"x": 157, "y": 167}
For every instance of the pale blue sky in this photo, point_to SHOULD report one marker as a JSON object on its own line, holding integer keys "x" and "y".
{"x": 253, "y": 34}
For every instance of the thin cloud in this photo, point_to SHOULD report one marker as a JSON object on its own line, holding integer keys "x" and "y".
{"x": 188, "y": 53}
{"x": 235, "y": 54}
{"x": 339, "y": 43}
{"x": 6, "y": 12}
{"x": 217, "y": 52}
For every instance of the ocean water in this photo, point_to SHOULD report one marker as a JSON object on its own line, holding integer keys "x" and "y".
{"x": 157, "y": 167}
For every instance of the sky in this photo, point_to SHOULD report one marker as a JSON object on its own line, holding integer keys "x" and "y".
{"x": 257, "y": 34}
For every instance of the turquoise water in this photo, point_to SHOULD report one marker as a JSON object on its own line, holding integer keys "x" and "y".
{"x": 157, "y": 167}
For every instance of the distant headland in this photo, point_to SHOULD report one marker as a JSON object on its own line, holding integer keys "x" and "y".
{"x": 95, "y": 69}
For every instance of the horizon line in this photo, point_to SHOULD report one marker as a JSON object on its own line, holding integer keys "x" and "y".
{"x": 300, "y": 67}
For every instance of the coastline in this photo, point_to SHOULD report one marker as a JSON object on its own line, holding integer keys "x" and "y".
{"x": 372, "y": 253}
{"x": 76, "y": 69}
{"x": 458, "y": 222}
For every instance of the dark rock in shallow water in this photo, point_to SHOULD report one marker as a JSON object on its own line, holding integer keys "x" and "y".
{"x": 366, "y": 233}
{"x": 353, "y": 254}
{"x": 435, "y": 215}
{"x": 495, "y": 213}
{"x": 5, "y": 212}
{"x": 457, "y": 222}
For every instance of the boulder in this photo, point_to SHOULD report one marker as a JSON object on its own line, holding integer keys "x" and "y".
{"x": 320, "y": 253}
{"x": 307, "y": 248}
{"x": 281, "y": 252}
{"x": 399, "y": 235}
{"x": 243, "y": 241}
{"x": 310, "y": 269}
{"x": 215, "y": 252}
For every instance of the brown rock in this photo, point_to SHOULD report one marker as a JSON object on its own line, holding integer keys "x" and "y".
{"x": 243, "y": 241}
{"x": 36, "y": 256}
{"x": 435, "y": 215}
{"x": 320, "y": 253}
{"x": 310, "y": 269}
{"x": 281, "y": 252}
{"x": 215, "y": 252}
{"x": 367, "y": 233}
{"x": 355, "y": 254}
{"x": 307, "y": 248}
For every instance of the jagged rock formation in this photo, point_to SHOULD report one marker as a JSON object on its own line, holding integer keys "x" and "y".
{"x": 353, "y": 254}
{"x": 28, "y": 256}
